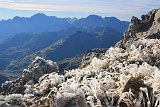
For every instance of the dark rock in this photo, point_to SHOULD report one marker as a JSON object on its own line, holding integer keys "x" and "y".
{"x": 135, "y": 84}
{"x": 70, "y": 63}
{"x": 88, "y": 56}
{"x": 147, "y": 27}
{"x": 135, "y": 21}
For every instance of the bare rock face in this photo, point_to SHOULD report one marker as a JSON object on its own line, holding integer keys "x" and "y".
{"x": 125, "y": 76}
{"x": 39, "y": 67}
{"x": 122, "y": 78}
{"x": 135, "y": 21}
{"x": 147, "y": 27}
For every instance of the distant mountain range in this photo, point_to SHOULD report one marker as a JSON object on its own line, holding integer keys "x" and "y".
{"x": 79, "y": 42}
{"x": 125, "y": 75}
{"x": 54, "y": 38}
{"x": 24, "y": 44}
{"x": 39, "y": 23}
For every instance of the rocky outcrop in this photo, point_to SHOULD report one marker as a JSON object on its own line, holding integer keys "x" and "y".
{"x": 147, "y": 27}
{"x": 88, "y": 56}
{"x": 70, "y": 63}
{"x": 81, "y": 60}
{"x": 36, "y": 69}
{"x": 121, "y": 77}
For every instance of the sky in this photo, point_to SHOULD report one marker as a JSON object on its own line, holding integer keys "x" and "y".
{"x": 122, "y": 9}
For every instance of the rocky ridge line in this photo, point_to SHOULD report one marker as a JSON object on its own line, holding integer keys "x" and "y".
{"x": 125, "y": 76}
{"x": 147, "y": 27}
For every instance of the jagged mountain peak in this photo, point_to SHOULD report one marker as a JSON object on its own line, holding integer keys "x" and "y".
{"x": 119, "y": 78}
{"x": 71, "y": 20}
{"x": 146, "y": 27}
{"x": 40, "y": 22}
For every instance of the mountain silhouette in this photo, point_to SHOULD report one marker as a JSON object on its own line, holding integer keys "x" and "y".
{"x": 40, "y": 22}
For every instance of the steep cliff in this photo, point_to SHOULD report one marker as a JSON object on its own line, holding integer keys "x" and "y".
{"x": 147, "y": 27}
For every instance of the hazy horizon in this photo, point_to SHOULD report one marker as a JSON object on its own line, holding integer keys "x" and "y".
{"x": 58, "y": 17}
{"x": 122, "y": 9}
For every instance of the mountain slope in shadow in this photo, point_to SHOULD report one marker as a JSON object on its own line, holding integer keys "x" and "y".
{"x": 75, "y": 44}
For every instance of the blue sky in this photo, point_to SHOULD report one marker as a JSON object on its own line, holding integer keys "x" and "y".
{"x": 122, "y": 9}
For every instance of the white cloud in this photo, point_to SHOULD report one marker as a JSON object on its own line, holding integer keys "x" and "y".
{"x": 5, "y": 0}
{"x": 68, "y": 8}
{"x": 123, "y": 9}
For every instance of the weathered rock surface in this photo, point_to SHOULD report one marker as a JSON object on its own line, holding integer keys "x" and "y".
{"x": 36, "y": 69}
{"x": 125, "y": 76}
{"x": 88, "y": 56}
{"x": 81, "y": 60}
{"x": 70, "y": 63}
{"x": 147, "y": 27}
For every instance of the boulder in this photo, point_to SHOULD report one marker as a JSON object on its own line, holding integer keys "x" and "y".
{"x": 31, "y": 75}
